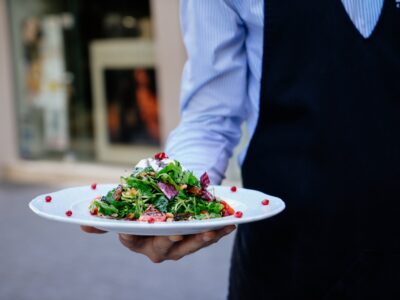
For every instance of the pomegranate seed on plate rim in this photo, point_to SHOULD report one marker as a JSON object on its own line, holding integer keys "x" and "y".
{"x": 233, "y": 188}
{"x": 68, "y": 213}
{"x": 93, "y": 186}
{"x": 48, "y": 199}
{"x": 265, "y": 202}
{"x": 238, "y": 214}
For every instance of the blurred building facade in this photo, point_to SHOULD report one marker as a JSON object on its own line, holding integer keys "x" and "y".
{"x": 86, "y": 87}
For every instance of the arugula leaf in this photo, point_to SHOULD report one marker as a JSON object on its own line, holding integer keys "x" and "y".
{"x": 166, "y": 178}
{"x": 109, "y": 197}
{"x": 189, "y": 179}
{"x": 137, "y": 171}
{"x": 161, "y": 203}
{"x": 215, "y": 207}
{"x": 106, "y": 209}
{"x": 145, "y": 186}
{"x": 173, "y": 169}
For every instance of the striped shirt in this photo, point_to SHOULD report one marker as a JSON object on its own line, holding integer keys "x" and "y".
{"x": 221, "y": 78}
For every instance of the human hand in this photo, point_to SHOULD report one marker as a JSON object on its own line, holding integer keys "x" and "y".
{"x": 161, "y": 248}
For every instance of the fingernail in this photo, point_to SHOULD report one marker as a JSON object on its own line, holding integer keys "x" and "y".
{"x": 175, "y": 238}
{"x": 206, "y": 238}
{"x": 229, "y": 230}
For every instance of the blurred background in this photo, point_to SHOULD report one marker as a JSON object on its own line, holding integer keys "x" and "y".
{"x": 87, "y": 88}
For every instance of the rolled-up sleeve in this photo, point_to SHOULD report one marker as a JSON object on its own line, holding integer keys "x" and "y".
{"x": 214, "y": 100}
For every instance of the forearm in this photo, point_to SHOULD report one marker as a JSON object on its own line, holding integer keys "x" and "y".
{"x": 214, "y": 96}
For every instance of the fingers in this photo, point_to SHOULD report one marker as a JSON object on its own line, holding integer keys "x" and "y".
{"x": 90, "y": 229}
{"x": 132, "y": 242}
{"x": 155, "y": 248}
{"x": 176, "y": 238}
{"x": 198, "y": 241}
{"x": 162, "y": 244}
{"x": 160, "y": 248}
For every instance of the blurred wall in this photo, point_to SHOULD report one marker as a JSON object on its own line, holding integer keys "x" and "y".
{"x": 8, "y": 149}
{"x": 171, "y": 56}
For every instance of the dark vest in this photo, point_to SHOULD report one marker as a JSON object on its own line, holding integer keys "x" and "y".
{"x": 328, "y": 143}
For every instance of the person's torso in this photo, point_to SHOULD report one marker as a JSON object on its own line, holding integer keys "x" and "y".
{"x": 363, "y": 14}
{"x": 327, "y": 142}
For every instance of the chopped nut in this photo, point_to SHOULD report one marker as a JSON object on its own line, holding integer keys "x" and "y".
{"x": 194, "y": 190}
{"x": 132, "y": 192}
{"x": 141, "y": 174}
{"x": 169, "y": 215}
{"x": 183, "y": 186}
{"x": 169, "y": 220}
{"x": 130, "y": 216}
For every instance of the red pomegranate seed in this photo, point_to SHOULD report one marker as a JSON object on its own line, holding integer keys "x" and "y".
{"x": 68, "y": 213}
{"x": 160, "y": 156}
{"x": 94, "y": 212}
{"x": 265, "y": 202}
{"x": 151, "y": 220}
{"x": 93, "y": 186}
{"x": 233, "y": 188}
{"x": 48, "y": 199}
{"x": 238, "y": 214}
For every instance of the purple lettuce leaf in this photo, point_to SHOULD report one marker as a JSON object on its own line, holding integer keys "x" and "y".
{"x": 206, "y": 195}
{"x": 168, "y": 190}
{"x": 204, "y": 180}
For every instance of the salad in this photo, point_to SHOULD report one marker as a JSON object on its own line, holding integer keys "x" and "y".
{"x": 161, "y": 190}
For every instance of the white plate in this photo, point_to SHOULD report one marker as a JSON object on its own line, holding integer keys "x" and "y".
{"x": 77, "y": 200}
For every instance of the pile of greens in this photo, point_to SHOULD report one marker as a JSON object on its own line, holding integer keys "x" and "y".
{"x": 169, "y": 194}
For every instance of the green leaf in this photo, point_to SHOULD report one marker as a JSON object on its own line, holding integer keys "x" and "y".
{"x": 120, "y": 204}
{"x": 214, "y": 207}
{"x": 137, "y": 171}
{"x": 189, "y": 179}
{"x": 166, "y": 178}
{"x": 161, "y": 203}
{"x": 109, "y": 196}
{"x": 105, "y": 208}
{"x": 173, "y": 169}
{"x": 214, "y": 215}
{"x": 145, "y": 186}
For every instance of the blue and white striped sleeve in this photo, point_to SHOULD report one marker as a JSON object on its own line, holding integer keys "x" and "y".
{"x": 214, "y": 99}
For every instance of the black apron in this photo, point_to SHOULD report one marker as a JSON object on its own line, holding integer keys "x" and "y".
{"x": 328, "y": 143}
